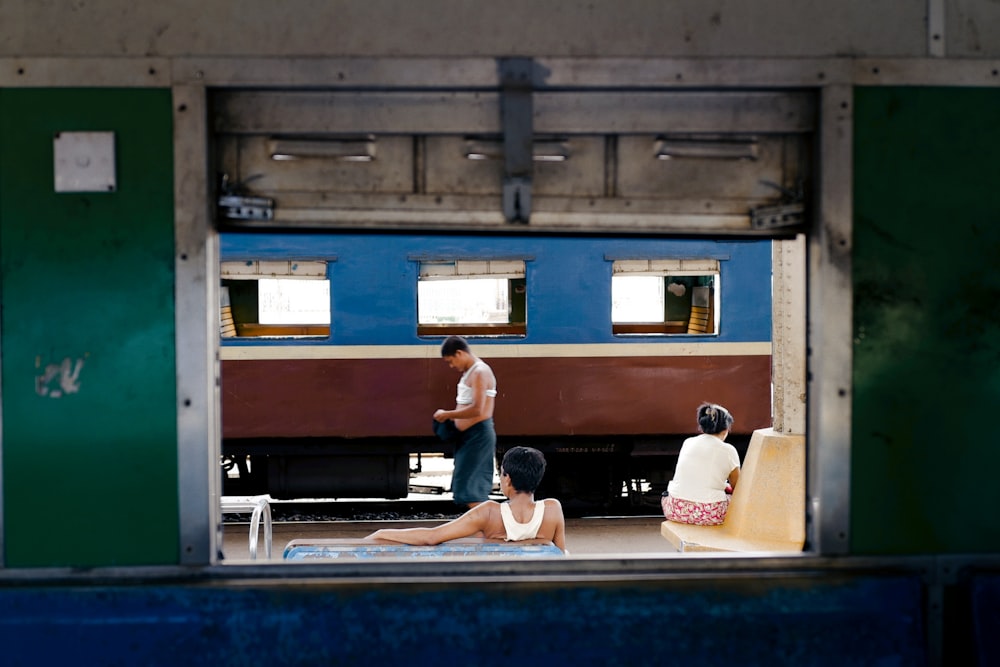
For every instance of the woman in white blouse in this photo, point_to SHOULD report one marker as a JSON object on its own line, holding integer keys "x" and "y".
{"x": 707, "y": 471}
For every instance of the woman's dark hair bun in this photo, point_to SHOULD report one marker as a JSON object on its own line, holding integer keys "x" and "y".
{"x": 714, "y": 418}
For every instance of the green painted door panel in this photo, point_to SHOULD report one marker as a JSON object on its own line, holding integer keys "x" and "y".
{"x": 88, "y": 353}
{"x": 926, "y": 320}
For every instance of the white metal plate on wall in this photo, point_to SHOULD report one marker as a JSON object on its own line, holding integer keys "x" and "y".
{"x": 84, "y": 161}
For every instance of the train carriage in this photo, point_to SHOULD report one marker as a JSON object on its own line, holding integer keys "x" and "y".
{"x": 603, "y": 379}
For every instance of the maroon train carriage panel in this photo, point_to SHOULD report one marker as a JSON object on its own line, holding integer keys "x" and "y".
{"x": 537, "y": 396}
{"x": 629, "y": 395}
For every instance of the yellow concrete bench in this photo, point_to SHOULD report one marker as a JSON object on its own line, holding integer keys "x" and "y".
{"x": 768, "y": 508}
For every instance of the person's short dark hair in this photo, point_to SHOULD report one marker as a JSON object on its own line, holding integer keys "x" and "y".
{"x": 714, "y": 418}
{"x": 526, "y": 466}
{"x": 453, "y": 344}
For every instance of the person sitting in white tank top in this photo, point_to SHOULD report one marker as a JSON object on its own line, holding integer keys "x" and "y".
{"x": 521, "y": 517}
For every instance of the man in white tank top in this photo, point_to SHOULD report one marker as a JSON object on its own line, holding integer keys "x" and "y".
{"x": 521, "y": 518}
{"x": 470, "y": 424}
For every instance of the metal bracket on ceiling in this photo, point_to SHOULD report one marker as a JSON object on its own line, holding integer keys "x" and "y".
{"x": 777, "y": 217}
{"x": 790, "y": 212}
{"x": 516, "y": 82}
{"x": 236, "y": 204}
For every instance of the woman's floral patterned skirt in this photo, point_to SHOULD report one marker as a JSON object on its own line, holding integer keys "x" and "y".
{"x": 699, "y": 514}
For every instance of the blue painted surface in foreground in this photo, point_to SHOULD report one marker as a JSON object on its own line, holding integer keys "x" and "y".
{"x": 986, "y": 612}
{"x": 797, "y": 621}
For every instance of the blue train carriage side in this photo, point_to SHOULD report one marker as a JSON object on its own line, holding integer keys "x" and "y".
{"x": 603, "y": 348}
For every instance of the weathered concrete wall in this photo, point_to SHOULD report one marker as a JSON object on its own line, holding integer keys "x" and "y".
{"x": 650, "y": 28}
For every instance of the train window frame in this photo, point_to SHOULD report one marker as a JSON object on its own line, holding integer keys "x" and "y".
{"x": 681, "y": 290}
{"x": 514, "y": 271}
{"x": 241, "y": 302}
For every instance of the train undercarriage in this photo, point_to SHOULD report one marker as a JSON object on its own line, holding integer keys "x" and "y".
{"x": 595, "y": 471}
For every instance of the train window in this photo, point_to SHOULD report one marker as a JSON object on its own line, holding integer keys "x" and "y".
{"x": 275, "y": 299}
{"x": 665, "y": 297}
{"x": 471, "y": 298}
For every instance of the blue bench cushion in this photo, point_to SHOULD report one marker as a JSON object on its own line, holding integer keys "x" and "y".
{"x": 360, "y": 549}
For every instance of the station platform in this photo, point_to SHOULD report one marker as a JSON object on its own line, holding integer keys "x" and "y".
{"x": 626, "y": 535}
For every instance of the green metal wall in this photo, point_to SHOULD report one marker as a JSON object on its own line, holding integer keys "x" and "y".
{"x": 926, "y": 320}
{"x": 88, "y": 278}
